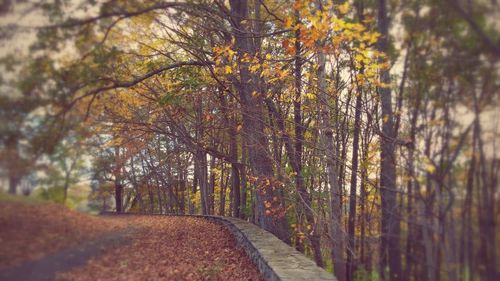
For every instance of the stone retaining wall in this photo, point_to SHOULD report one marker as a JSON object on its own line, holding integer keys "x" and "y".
{"x": 276, "y": 260}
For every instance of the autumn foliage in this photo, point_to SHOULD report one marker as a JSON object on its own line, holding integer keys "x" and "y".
{"x": 362, "y": 133}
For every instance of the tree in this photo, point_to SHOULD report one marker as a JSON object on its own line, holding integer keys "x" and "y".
{"x": 389, "y": 245}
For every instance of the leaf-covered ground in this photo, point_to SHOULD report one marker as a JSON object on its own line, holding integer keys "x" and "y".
{"x": 160, "y": 248}
{"x": 171, "y": 248}
{"x": 31, "y": 230}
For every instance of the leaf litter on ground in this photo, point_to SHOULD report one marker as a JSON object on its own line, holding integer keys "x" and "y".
{"x": 171, "y": 248}
{"x": 163, "y": 247}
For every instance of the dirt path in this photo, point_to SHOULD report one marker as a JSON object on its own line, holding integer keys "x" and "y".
{"x": 47, "y": 267}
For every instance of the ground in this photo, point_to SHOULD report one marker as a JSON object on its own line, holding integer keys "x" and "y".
{"x": 69, "y": 245}
{"x": 30, "y": 230}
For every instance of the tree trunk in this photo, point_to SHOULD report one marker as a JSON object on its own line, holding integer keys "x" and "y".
{"x": 466, "y": 233}
{"x": 118, "y": 197}
{"x": 486, "y": 212}
{"x": 336, "y": 225}
{"x": 231, "y": 123}
{"x": 222, "y": 194}
{"x": 203, "y": 181}
{"x": 211, "y": 187}
{"x": 390, "y": 227}
{"x": 194, "y": 188}
{"x": 253, "y": 127}
{"x": 299, "y": 139}
{"x": 66, "y": 186}
{"x": 352, "y": 193}
{"x": 118, "y": 185}
{"x": 182, "y": 187}
{"x": 13, "y": 183}
{"x": 243, "y": 182}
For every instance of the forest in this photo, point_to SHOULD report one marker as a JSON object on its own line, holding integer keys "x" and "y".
{"x": 362, "y": 133}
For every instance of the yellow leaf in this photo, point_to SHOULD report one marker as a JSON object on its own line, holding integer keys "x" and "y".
{"x": 429, "y": 166}
{"x": 228, "y": 69}
{"x": 254, "y": 68}
{"x": 344, "y": 8}
{"x": 359, "y": 57}
{"x": 288, "y": 22}
{"x": 310, "y": 96}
